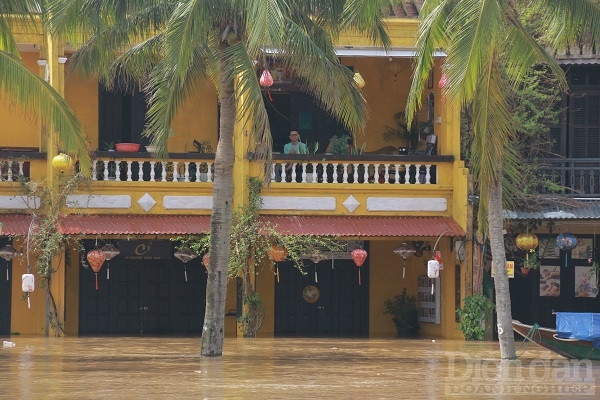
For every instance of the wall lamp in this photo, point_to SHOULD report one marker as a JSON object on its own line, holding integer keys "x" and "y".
{"x": 44, "y": 63}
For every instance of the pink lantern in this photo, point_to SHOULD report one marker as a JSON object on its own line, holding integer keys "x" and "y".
{"x": 96, "y": 258}
{"x": 359, "y": 256}
{"x": 438, "y": 257}
{"x": 443, "y": 81}
{"x": 266, "y": 80}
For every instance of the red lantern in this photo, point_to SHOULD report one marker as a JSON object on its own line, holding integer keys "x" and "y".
{"x": 359, "y": 256}
{"x": 266, "y": 80}
{"x": 96, "y": 259}
{"x": 277, "y": 254}
{"x": 206, "y": 260}
{"x": 438, "y": 257}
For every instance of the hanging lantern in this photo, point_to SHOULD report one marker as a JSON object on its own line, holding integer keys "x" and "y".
{"x": 206, "y": 260}
{"x": 185, "y": 255}
{"x": 405, "y": 250}
{"x": 96, "y": 258}
{"x": 359, "y": 256}
{"x": 28, "y": 286}
{"x": 8, "y": 253}
{"x": 266, "y": 80}
{"x": 110, "y": 252}
{"x": 358, "y": 80}
{"x": 438, "y": 257}
{"x": 62, "y": 162}
{"x": 527, "y": 241}
{"x": 566, "y": 242}
{"x": 317, "y": 258}
{"x": 277, "y": 254}
{"x": 443, "y": 81}
{"x": 433, "y": 271}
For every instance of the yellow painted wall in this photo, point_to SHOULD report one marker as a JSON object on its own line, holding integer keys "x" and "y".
{"x": 82, "y": 96}
{"x": 18, "y": 128}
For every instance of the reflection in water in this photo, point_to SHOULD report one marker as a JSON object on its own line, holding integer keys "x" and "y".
{"x": 285, "y": 368}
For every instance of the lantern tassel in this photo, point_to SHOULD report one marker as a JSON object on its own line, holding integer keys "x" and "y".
{"x": 277, "y": 272}
{"x": 185, "y": 272}
{"x": 432, "y": 284}
{"x": 28, "y": 301}
{"x": 403, "y": 272}
{"x": 316, "y": 277}
{"x": 7, "y": 278}
{"x": 107, "y": 271}
{"x": 97, "y": 288}
{"x": 359, "y": 277}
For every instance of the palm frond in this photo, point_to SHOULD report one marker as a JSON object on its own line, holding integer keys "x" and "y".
{"x": 569, "y": 21}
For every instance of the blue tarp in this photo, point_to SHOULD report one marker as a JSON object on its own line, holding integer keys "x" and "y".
{"x": 583, "y": 326}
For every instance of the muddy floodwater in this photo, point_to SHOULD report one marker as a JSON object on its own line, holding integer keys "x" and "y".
{"x": 285, "y": 368}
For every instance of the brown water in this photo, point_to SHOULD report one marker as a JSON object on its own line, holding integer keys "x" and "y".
{"x": 281, "y": 368}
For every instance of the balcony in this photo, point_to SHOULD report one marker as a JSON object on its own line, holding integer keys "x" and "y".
{"x": 571, "y": 177}
{"x": 142, "y": 167}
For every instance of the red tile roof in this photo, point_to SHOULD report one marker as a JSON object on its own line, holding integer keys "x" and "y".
{"x": 365, "y": 226}
{"x": 15, "y": 224}
{"x": 135, "y": 224}
{"x": 18, "y": 225}
{"x": 408, "y": 9}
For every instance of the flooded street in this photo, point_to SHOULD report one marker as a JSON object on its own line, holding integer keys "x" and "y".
{"x": 285, "y": 368}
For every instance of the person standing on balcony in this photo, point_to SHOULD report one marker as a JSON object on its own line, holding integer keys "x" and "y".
{"x": 295, "y": 146}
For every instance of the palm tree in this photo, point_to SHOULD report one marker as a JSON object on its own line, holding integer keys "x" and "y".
{"x": 489, "y": 51}
{"x": 224, "y": 40}
{"x": 34, "y": 95}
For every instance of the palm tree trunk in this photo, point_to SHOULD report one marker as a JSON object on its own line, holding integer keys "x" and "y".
{"x": 505, "y": 333}
{"x": 220, "y": 224}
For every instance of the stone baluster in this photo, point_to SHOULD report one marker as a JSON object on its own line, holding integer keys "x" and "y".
{"x": 128, "y": 163}
{"x": 152, "y": 172}
{"x": 186, "y": 171}
{"x": 427, "y": 174}
{"x": 406, "y": 174}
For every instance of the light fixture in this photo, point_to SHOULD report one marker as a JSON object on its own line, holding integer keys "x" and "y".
{"x": 62, "y": 60}
{"x": 395, "y": 67}
{"x": 42, "y": 62}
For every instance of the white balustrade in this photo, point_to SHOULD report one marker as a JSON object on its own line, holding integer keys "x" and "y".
{"x": 11, "y": 170}
{"x": 140, "y": 170}
{"x": 353, "y": 172}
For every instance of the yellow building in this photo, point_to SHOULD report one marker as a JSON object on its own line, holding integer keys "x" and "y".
{"x": 378, "y": 200}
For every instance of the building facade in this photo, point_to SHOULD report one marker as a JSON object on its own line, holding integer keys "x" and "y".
{"x": 377, "y": 200}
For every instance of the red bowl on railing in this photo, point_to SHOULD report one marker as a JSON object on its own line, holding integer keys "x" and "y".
{"x": 128, "y": 147}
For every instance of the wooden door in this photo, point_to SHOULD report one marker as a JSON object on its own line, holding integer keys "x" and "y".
{"x": 5, "y": 293}
{"x": 340, "y": 310}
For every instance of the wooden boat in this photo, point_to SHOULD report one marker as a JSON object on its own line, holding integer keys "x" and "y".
{"x": 548, "y": 338}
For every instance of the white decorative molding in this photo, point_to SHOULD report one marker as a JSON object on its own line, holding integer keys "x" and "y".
{"x": 146, "y": 202}
{"x": 298, "y": 203}
{"x": 187, "y": 202}
{"x": 407, "y": 204}
{"x": 351, "y": 204}
{"x": 20, "y": 202}
{"x": 98, "y": 201}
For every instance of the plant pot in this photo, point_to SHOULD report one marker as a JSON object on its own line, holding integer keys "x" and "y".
{"x": 128, "y": 147}
{"x": 150, "y": 149}
{"x": 525, "y": 271}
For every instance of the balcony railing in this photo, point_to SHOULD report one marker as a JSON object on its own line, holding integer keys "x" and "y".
{"x": 15, "y": 165}
{"x": 572, "y": 177}
{"x": 142, "y": 167}
{"x": 357, "y": 169}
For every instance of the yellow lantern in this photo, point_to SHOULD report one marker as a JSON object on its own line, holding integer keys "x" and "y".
{"x": 358, "y": 80}
{"x": 62, "y": 162}
{"x": 527, "y": 241}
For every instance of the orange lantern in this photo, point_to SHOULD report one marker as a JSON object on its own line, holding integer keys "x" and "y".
{"x": 206, "y": 260}
{"x": 359, "y": 256}
{"x": 277, "y": 254}
{"x": 96, "y": 259}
